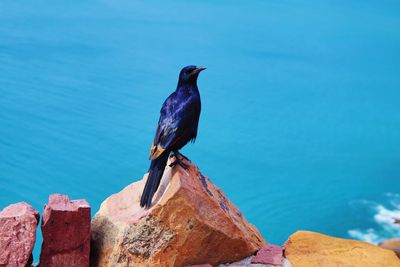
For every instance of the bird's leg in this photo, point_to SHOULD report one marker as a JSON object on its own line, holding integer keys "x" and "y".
{"x": 183, "y": 156}
{"x": 179, "y": 161}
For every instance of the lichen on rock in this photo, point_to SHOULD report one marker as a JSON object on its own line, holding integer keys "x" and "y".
{"x": 147, "y": 237}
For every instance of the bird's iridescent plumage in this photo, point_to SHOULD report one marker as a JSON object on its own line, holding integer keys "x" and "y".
{"x": 179, "y": 118}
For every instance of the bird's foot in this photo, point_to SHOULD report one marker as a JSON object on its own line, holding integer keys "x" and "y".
{"x": 180, "y": 162}
{"x": 183, "y": 156}
{"x": 179, "y": 154}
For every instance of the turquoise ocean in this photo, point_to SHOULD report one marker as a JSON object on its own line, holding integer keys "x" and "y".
{"x": 300, "y": 124}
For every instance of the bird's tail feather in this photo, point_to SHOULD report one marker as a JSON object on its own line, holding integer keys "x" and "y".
{"x": 156, "y": 171}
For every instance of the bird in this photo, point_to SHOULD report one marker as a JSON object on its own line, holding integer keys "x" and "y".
{"x": 177, "y": 126}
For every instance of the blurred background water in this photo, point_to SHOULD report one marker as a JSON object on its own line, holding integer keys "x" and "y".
{"x": 301, "y": 118}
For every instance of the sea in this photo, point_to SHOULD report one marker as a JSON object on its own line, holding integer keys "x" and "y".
{"x": 300, "y": 122}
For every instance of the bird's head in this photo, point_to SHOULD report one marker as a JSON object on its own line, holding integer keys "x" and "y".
{"x": 190, "y": 73}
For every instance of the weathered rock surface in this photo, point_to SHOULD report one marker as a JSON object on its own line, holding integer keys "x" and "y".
{"x": 191, "y": 222}
{"x": 392, "y": 244}
{"x": 269, "y": 254}
{"x": 18, "y": 223}
{"x": 66, "y": 233}
{"x": 247, "y": 263}
{"x": 316, "y": 250}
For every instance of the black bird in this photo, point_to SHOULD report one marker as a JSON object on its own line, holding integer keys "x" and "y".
{"x": 179, "y": 118}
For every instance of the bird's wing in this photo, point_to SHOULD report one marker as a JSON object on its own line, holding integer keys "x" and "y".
{"x": 174, "y": 116}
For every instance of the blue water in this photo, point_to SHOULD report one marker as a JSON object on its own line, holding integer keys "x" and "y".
{"x": 300, "y": 119}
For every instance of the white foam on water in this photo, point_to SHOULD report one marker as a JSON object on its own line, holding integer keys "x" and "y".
{"x": 394, "y": 200}
{"x": 368, "y": 235}
{"x": 384, "y": 220}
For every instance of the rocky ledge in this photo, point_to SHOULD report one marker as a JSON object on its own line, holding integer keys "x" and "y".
{"x": 191, "y": 221}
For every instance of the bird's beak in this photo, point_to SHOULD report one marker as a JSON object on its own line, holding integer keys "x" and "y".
{"x": 198, "y": 69}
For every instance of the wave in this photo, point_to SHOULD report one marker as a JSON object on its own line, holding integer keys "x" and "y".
{"x": 384, "y": 225}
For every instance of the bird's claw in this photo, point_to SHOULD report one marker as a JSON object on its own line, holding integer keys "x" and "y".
{"x": 183, "y": 156}
{"x": 180, "y": 163}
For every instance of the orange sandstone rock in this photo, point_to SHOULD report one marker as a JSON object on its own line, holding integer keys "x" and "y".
{"x": 317, "y": 250}
{"x": 191, "y": 222}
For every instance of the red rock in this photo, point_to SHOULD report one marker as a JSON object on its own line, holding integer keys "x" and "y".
{"x": 201, "y": 265}
{"x": 18, "y": 223}
{"x": 269, "y": 254}
{"x": 191, "y": 222}
{"x": 392, "y": 244}
{"x": 66, "y": 233}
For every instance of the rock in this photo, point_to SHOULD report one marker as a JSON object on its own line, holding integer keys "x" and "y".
{"x": 392, "y": 244}
{"x": 191, "y": 222}
{"x": 269, "y": 254}
{"x": 247, "y": 263}
{"x": 201, "y": 265}
{"x": 315, "y": 250}
{"x": 18, "y": 223}
{"x": 66, "y": 233}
